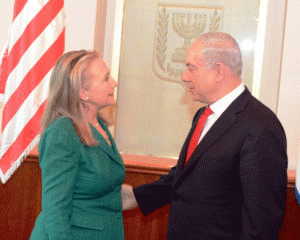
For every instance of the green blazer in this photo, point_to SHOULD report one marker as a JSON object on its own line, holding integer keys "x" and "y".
{"x": 81, "y": 186}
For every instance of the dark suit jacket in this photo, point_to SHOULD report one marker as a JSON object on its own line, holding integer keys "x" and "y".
{"x": 81, "y": 196}
{"x": 234, "y": 185}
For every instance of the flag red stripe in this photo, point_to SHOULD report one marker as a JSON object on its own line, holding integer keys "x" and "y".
{"x": 32, "y": 79}
{"x": 3, "y": 72}
{"x": 19, "y": 5}
{"x": 27, "y": 135}
{"x": 32, "y": 31}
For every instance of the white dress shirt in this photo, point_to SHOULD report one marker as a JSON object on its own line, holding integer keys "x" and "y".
{"x": 219, "y": 107}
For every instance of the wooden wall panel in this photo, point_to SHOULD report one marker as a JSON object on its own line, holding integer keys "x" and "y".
{"x": 20, "y": 201}
{"x": 290, "y": 229}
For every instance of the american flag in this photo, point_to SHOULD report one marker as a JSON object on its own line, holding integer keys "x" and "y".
{"x": 35, "y": 42}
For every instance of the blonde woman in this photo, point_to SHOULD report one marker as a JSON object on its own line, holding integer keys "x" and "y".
{"x": 82, "y": 170}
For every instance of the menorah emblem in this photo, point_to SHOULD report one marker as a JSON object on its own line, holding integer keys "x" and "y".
{"x": 177, "y": 28}
{"x": 187, "y": 26}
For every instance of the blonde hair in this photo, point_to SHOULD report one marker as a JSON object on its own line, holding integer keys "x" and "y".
{"x": 67, "y": 78}
{"x": 221, "y": 47}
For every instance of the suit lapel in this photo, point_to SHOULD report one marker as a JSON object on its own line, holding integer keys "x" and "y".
{"x": 112, "y": 150}
{"x": 220, "y": 127}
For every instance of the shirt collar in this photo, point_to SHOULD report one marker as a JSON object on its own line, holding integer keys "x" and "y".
{"x": 222, "y": 104}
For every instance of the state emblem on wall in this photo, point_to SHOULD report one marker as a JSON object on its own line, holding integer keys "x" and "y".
{"x": 177, "y": 26}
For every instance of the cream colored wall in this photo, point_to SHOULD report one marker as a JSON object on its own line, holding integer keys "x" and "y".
{"x": 80, "y": 24}
{"x": 5, "y": 21}
{"x": 289, "y": 91}
{"x": 82, "y": 20}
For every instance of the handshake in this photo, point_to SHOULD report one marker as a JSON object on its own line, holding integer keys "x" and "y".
{"x": 128, "y": 198}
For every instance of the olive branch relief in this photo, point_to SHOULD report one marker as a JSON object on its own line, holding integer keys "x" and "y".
{"x": 214, "y": 22}
{"x": 162, "y": 33}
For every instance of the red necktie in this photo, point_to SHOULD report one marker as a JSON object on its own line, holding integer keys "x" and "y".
{"x": 197, "y": 133}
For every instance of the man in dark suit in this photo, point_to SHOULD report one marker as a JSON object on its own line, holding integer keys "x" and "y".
{"x": 233, "y": 185}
